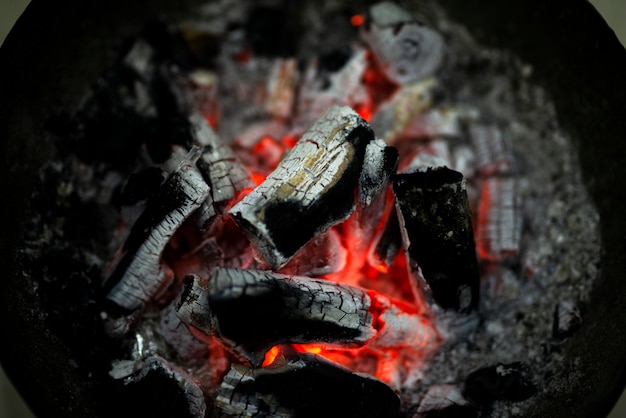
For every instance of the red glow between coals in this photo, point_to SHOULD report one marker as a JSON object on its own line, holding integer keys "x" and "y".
{"x": 357, "y": 20}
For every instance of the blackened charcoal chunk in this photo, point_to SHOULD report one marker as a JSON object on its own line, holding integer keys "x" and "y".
{"x": 509, "y": 382}
{"x": 436, "y": 225}
{"x": 306, "y": 386}
{"x": 271, "y": 31}
{"x": 567, "y": 320}
{"x": 254, "y": 310}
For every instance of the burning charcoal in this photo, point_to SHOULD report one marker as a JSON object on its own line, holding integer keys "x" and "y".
{"x": 218, "y": 164}
{"x": 380, "y": 164}
{"x": 311, "y": 190}
{"x": 178, "y": 336}
{"x": 567, "y": 320}
{"x": 436, "y": 226}
{"x": 444, "y": 401}
{"x": 387, "y": 244}
{"x": 406, "y": 50}
{"x": 323, "y": 255}
{"x": 172, "y": 392}
{"x": 305, "y": 386}
{"x": 253, "y": 310}
{"x": 281, "y": 88}
{"x": 509, "y": 382}
{"x": 320, "y": 89}
{"x": 402, "y": 110}
{"x": 138, "y": 274}
{"x": 493, "y": 155}
{"x": 193, "y": 307}
{"x": 499, "y": 226}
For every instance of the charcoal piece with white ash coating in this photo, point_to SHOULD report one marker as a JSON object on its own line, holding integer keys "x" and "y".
{"x": 312, "y": 188}
{"x": 406, "y": 50}
{"x": 253, "y": 310}
{"x": 218, "y": 164}
{"x": 436, "y": 225}
{"x": 138, "y": 273}
{"x": 304, "y": 386}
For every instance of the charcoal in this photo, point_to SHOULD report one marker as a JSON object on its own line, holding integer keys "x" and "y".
{"x": 395, "y": 117}
{"x": 171, "y": 393}
{"x": 437, "y": 234}
{"x": 138, "y": 273}
{"x": 252, "y": 311}
{"x": 567, "y": 320}
{"x": 387, "y": 244}
{"x": 320, "y": 90}
{"x": 510, "y": 382}
{"x": 281, "y": 88}
{"x": 379, "y": 166}
{"x": 406, "y": 50}
{"x": 312, "y": 189}
{"x": 444, "y": 401}
{"x": 323, "y": 255}
{"x": 305, "y": 386}
{"x": 493, "y": 154}
{"x": 219, "y": 165}
{"x": 499, "y": 226}
{"x": 186, "y": 345}
{"x": 193, "y": 307}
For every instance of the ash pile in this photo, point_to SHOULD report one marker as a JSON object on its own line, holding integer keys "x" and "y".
{"x": 378, "y": 217}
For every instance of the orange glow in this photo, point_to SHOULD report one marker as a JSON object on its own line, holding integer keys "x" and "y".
{"x": 357, "y": 20}
{"x": 364, "y": 111}
{"x": 290, "y": 141}
{"x": 258, "y": 178}
{"x": 271, "y": 355}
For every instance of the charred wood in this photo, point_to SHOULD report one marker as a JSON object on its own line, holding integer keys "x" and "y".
{"x": 499, "y": 226}
{"x": 138, "y": 274}
{"x": 304, "y": 386}
{"x": 406, "y": 50}
{"x": 436, "y": 226}
{"x": 312, "y": 189}
{"x": 252, "y": 311}
{"x": 218, "y": 164}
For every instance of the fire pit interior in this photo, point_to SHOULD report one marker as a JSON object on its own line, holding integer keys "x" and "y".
{"x": 323, "y": 209}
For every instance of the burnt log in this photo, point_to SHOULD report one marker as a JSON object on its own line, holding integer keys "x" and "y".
{"x": 138, "y": 273}
{"x": 304, "y": 386}
{"x": 436, "y": 225}
{"x": 311, "y": 190}
{"x": 252, "y": 311}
